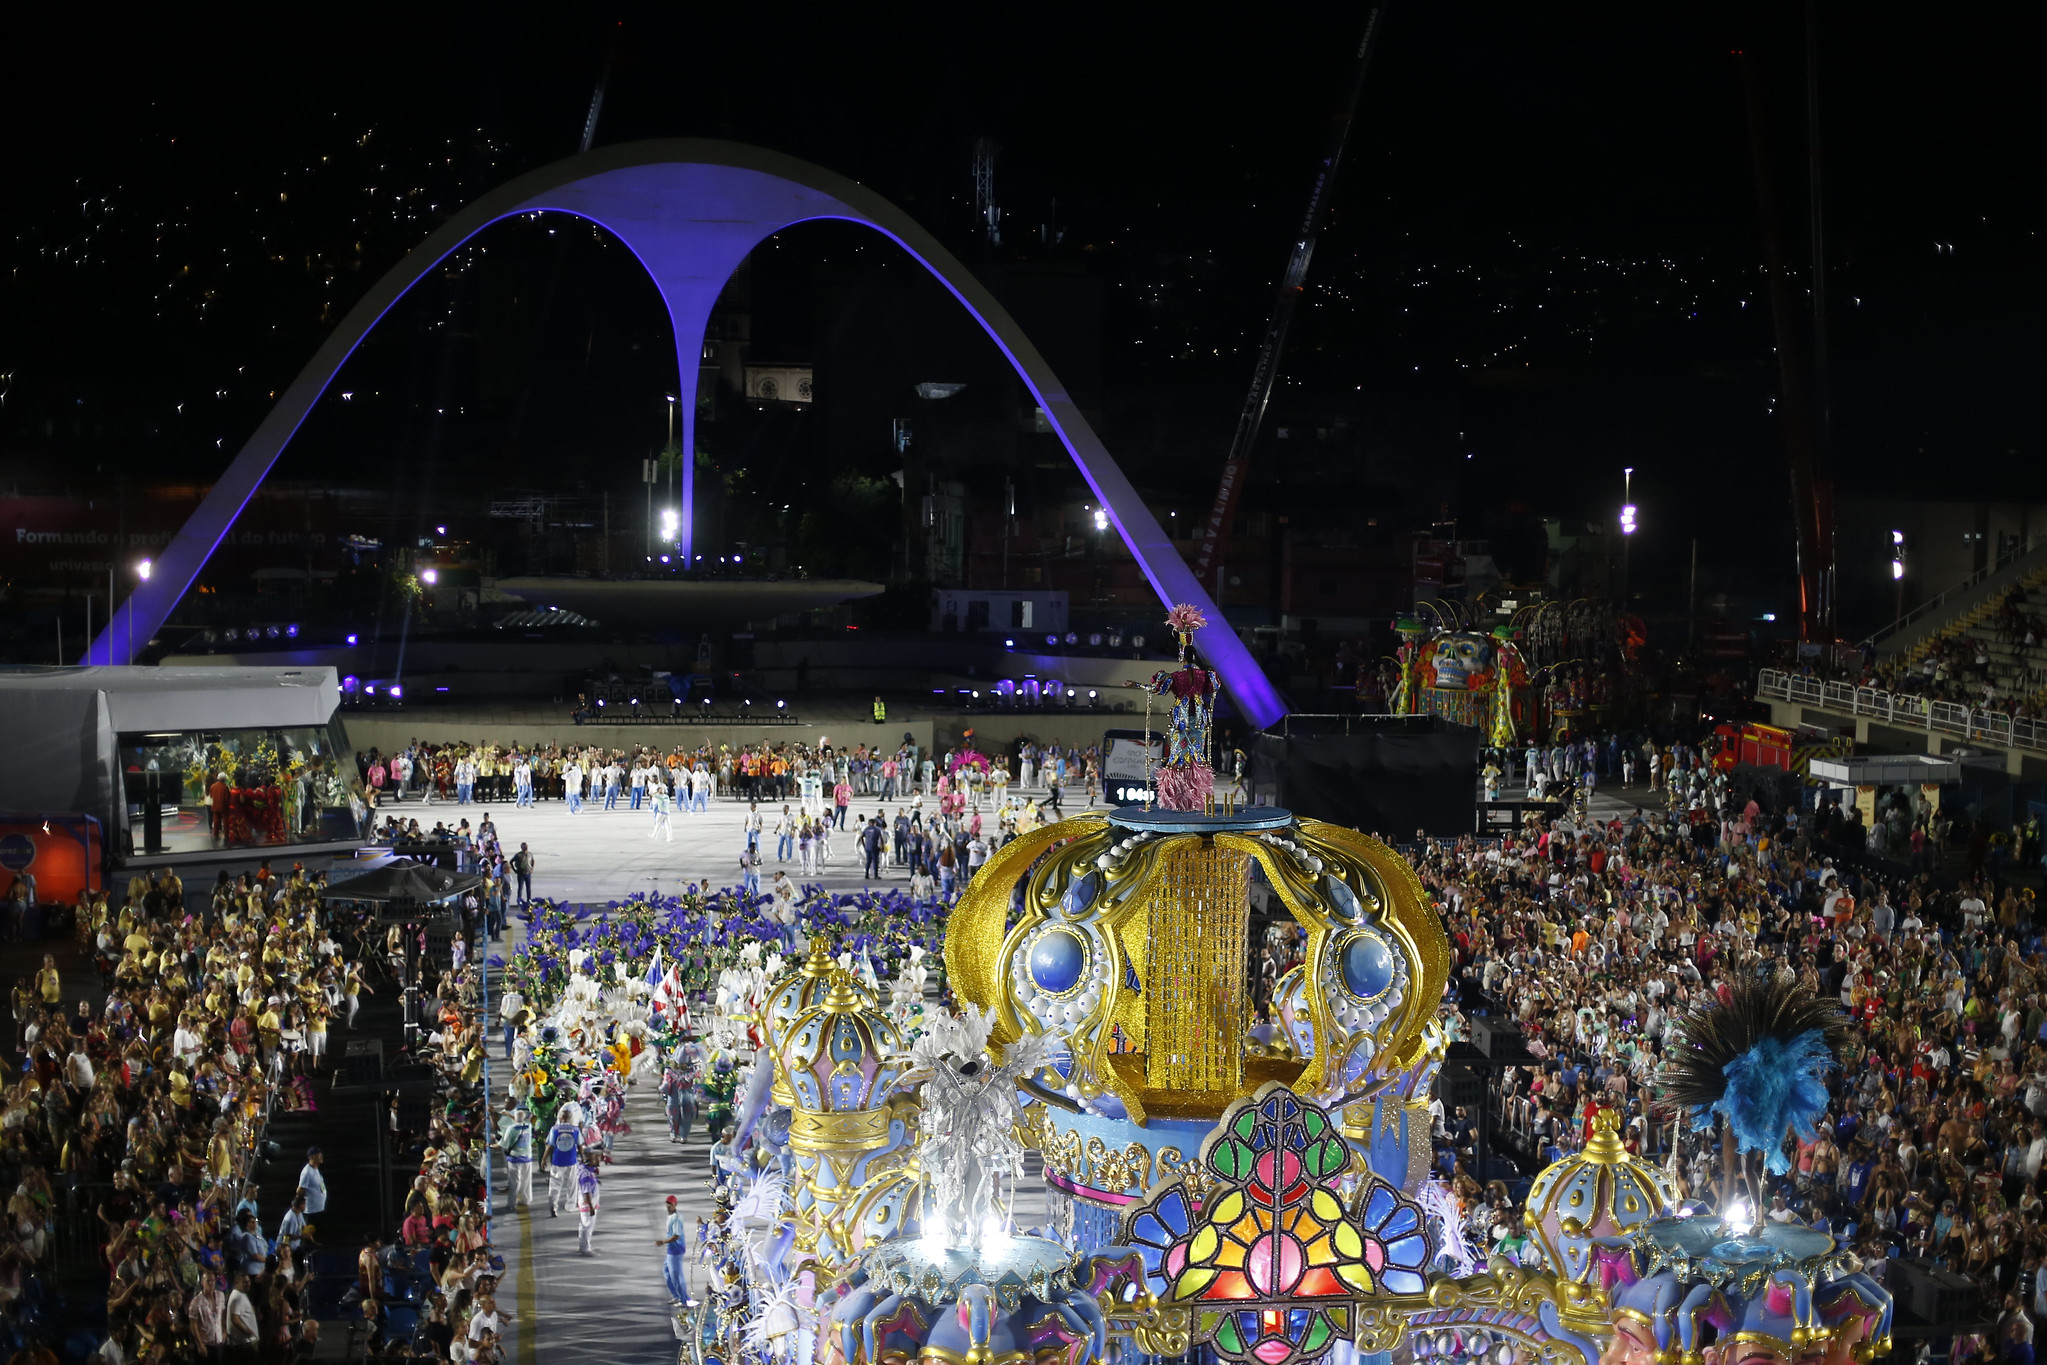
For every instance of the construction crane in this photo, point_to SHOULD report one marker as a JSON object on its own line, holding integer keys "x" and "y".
{"x": 1812, "y": 499}
{"x": 597, "y": 95}
{"x": 1215, "y": 530}
{"x": 985, "y": 208}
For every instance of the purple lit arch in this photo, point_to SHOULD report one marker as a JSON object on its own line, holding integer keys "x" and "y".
{"x": 690, "y": 210}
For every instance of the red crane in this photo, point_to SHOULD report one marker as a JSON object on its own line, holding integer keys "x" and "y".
{"x": 1216, "y": 529}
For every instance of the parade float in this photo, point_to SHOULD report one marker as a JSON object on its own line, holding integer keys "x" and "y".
{"x": 1466, "y": 677}
{"x": 1218, "y": 1186}
{"x": 1554, "y": 672}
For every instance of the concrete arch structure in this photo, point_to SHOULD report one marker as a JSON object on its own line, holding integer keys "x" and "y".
{"x": 690, "y": 210}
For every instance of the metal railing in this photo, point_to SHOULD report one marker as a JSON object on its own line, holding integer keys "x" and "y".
{"x": 694, "y": 716}
{"x": 77, "y": 1237}
{"x": 1329, "y": 719}
{"x": 479, "y": 954}
{"x": 1898, "y": 708}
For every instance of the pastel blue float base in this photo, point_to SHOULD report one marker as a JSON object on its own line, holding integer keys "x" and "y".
{"x": 1246, "y": 821}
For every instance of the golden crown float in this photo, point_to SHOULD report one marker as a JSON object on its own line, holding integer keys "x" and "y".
{"x": 1241, "y": 1190}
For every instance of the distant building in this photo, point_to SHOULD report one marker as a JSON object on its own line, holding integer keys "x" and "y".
{"x": 778, "y": 383}
{"x": 1452, "y": 569}
{"x": 977, "y": 609}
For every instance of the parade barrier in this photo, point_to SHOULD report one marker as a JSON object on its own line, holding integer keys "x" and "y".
{"x": 1905, "y": 710}
{"x": 1395, "y": 774}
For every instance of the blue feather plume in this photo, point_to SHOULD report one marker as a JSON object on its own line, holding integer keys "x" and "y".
{"x": 1775, "y": 1087}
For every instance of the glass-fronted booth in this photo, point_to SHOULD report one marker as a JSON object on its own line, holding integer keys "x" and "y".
{"x": 240, "y": 788}
{"x": 181, "y": 765}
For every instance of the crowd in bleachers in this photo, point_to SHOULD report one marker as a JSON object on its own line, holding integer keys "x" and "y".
{"x": 134, "y": 1133}
{"x": 1998, "y": 664}
{"x": 1596, "y": 936}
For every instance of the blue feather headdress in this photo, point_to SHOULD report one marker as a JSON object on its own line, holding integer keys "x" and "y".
{"x": 1759, "y": 1059}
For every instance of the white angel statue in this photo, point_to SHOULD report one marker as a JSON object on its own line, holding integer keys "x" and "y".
{"x": 967, "y": 1131}
{"x": 775, "y": 1326}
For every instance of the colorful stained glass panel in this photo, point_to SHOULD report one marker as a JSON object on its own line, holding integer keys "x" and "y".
{"x": 1276, "y": 1242}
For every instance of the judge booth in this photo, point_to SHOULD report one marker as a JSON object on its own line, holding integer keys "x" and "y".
{"x": 176, "y": 766}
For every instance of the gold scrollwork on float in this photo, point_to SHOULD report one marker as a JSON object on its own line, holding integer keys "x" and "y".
{"x": 1404, "y": 906}
{"x": 975, "y": 929}
{"x": 1493, "y": 1299}
{"x": 1303, "y": 899}
{"x": 1387, "y": 889}
{"x": 1199, "y": 1181}
{"x": 927, "y": 1354}
{"x": 1134, "y": 1311}
{"x": 1504, "y": 1288}
{"x": 855, "y": 1130}
{"x": 1381, "y": 1325}
{"x": 1128, "y": 874}
{"x": 1166, "y": 1331}
{"x": 1092, "y": 1162}
{"x": 1504, "y": 1285}
{"x": 1118, "y": 1171}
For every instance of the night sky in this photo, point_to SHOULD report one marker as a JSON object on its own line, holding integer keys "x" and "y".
{"x": 1543, "y": 262}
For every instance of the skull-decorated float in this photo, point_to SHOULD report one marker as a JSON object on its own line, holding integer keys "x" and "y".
{"x": 1234, "y": 1170}
{"x": 1475, "y": 679}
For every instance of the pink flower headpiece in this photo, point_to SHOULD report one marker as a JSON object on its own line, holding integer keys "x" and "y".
{"x": 1186, "y": 618}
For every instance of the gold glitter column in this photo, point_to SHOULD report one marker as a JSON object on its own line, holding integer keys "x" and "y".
{"x": 1197, "y": 912}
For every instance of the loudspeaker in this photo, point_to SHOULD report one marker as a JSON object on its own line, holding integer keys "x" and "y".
{"x": 1498, "y": 1038}
{"x": 1458, "y": 1086}
{"x": 1933, "y": 1295}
